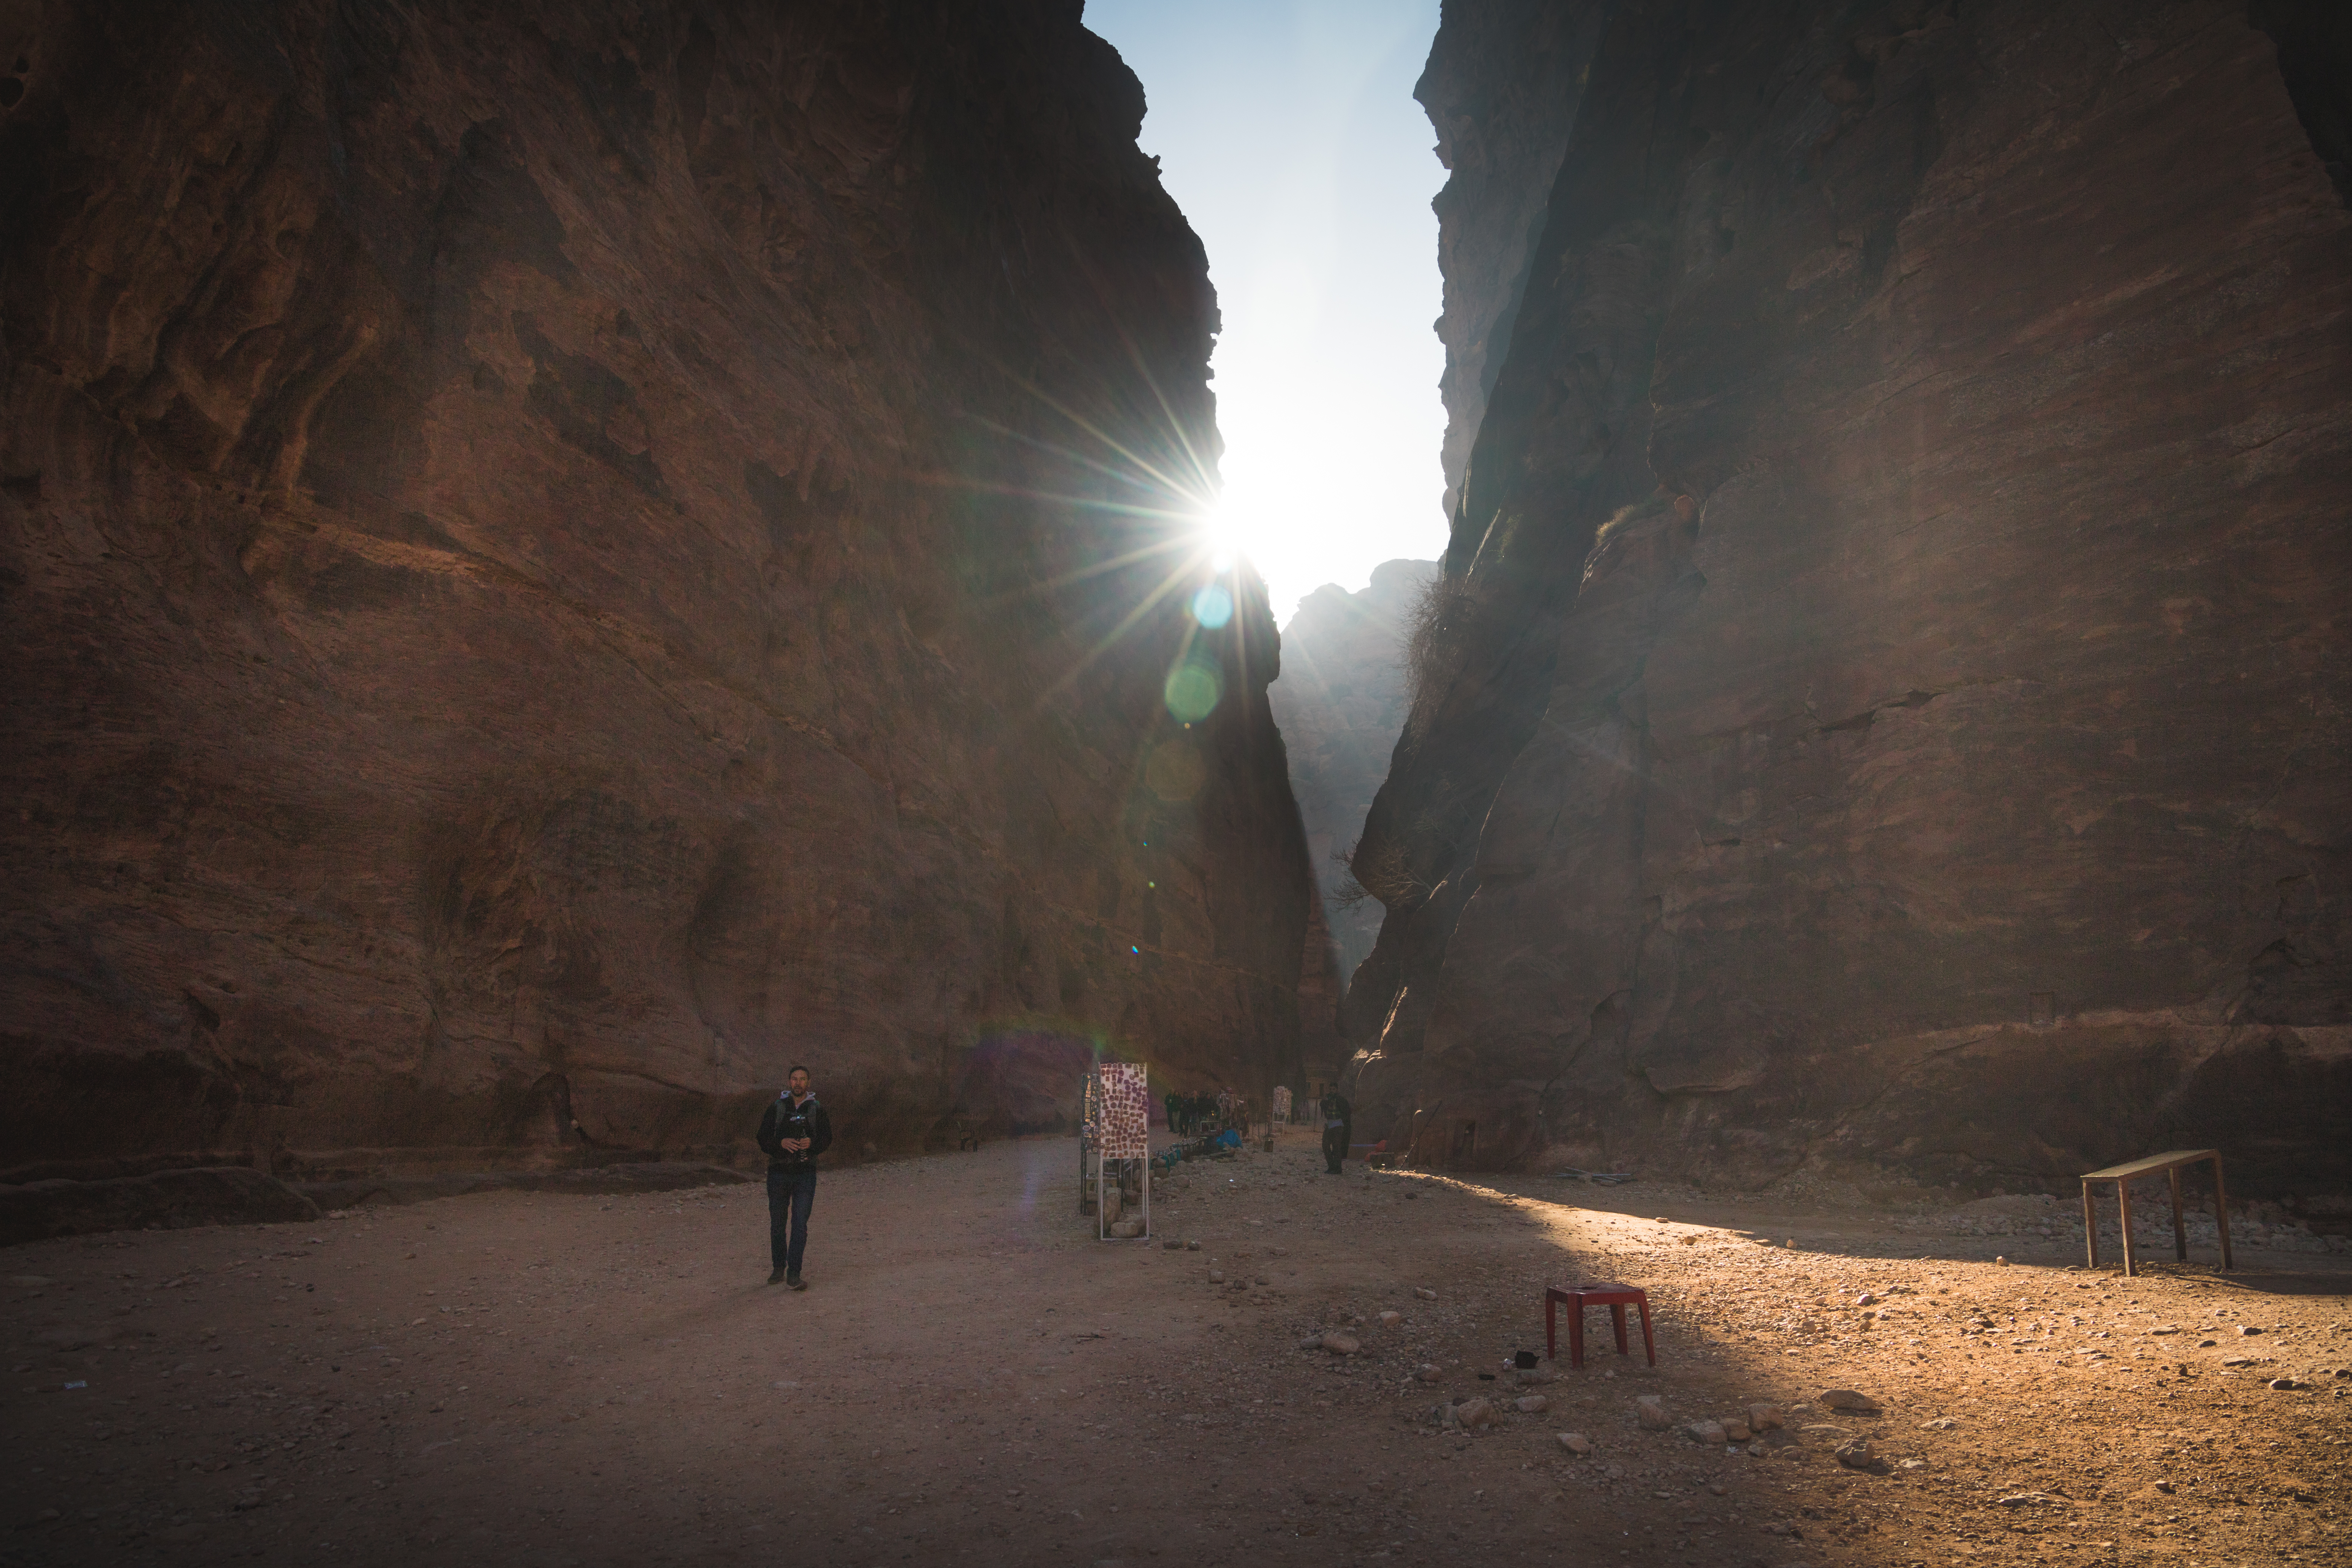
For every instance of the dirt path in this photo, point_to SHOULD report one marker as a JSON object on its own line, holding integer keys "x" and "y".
{"x": 545, "y": 1380}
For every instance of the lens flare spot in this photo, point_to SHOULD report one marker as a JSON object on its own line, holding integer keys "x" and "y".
{"x": 1212, "y": 606}
{"x": 1194, "y": 688}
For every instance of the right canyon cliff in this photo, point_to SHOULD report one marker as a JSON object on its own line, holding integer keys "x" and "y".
{"x": 1884, "y": 704}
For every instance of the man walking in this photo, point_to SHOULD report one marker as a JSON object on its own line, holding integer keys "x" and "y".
{"x": 1336, "y": 1117}
{"x": 793, "y": 1133}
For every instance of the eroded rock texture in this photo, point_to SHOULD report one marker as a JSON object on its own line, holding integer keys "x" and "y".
{"x": 1891, "y": 700}
{"x": 554, "y": 567}
{"x": 1340, "y": 703}
{"x": 1501, "y": 88}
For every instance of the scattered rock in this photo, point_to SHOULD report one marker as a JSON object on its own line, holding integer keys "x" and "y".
{"x": 1126, "y": 1229}
{"x": 1311, "y": 1343}
{"x": 1763, "y": 1417}
{"x": 1543, "y": 1372}
{"x": 1735, "y": 1430}
{"x": 2248, "y": 1330}
{"x": 1866, "y": 1299}
{"x": 1172, "y": 1245}
{"x": 1390, "y": 1319}
{"x": 2003, "y": 1261}
{"x": 1472, "y": 1413}
{"x": 2028, "y": 1499}
{"x": 1856, "y": 1454}
{"x": 1427, "y": 1371}
{"x": 1425, "y": 1294}
{"x": 1216, "y": 1276}
{"x": 1529, "y": 1404}
{"x": 1191, "y": 1246}
{"x": 1708, "y": 1432}
{"x": 1576, "y": 1443}
{"x": 1338, "y": 1343}
{"x": 1940, "y": 1423}
{"x": 1850, "y": 1400}
{"x": 1651, "y": 1409}
{"x": 2288, "y": 1382}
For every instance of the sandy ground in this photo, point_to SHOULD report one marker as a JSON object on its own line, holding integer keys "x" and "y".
{"x": 553, "y": 1380}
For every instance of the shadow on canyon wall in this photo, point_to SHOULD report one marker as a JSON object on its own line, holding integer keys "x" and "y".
{"x": 1885, "y": 703}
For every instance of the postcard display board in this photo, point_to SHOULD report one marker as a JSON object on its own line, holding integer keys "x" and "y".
{"x": 1120, "y": 1128}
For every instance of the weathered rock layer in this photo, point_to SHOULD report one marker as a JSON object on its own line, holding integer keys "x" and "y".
{"x": 561, "y": 558}
{"x": 1891, "y": 700}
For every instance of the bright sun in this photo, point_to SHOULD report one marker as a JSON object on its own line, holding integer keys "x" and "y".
{"x": 1227, "y": 534}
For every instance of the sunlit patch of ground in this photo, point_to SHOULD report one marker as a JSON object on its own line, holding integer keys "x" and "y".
{"x": 541, "y": 1380}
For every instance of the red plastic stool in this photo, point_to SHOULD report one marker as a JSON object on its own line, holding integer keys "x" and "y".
{"x": 1616, "y": 1298}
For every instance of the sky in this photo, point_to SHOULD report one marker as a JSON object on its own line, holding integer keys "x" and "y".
{"x": 1288, "y": 132}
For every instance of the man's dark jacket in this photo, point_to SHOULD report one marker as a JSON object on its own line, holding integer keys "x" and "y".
{"x": 784, "y": 1120}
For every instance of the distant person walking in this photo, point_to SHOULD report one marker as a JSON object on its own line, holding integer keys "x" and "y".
{"x": 1339, "y": 1118}
{"x": 793, "y": 1133}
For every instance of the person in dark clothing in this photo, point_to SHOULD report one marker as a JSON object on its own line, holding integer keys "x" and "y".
{"x": 793, "y": 1133}
{"x": 1175, "y": 1125}
{"x": 1338, "y": 1123}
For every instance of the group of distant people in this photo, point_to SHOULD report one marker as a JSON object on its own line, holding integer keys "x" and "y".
{"x": 1190, "y": 1115}
{"x": 796, "y": 1129}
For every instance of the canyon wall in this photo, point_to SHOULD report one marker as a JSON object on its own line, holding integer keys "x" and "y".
{"x": 1501, "y": 88}
{"x": 1340, "y": 703}
{"x": 1888, "y": 708}
{"x": 559, "y": 560}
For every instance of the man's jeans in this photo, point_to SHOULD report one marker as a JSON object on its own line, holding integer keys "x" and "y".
{"x": 790, "y": 1194}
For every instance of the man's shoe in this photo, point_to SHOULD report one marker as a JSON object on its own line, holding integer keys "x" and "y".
{"x": 775, "y": 1277}
{"x": 795, "y": 1282}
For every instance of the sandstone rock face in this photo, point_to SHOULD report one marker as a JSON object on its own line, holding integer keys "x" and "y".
{"x": 1891, "y": 700}
{"x": 1501, "y": 87}
{"x": 561, "y": 559}
{"x": 1340, "y": 704}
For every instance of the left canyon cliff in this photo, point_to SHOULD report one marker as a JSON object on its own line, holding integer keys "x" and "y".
{"x": 561, "y": 558}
